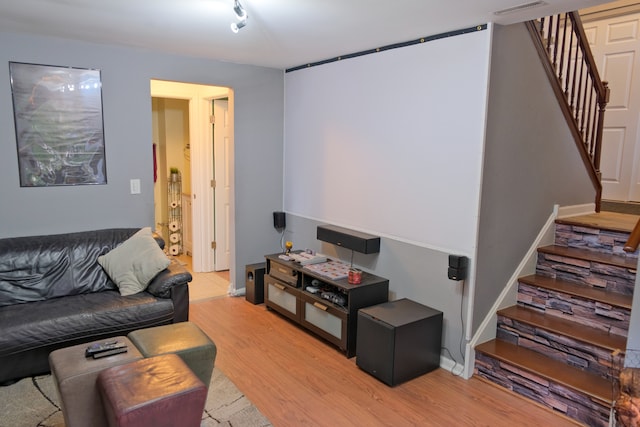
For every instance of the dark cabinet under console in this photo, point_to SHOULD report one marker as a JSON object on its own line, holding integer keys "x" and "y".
{"x": 324, "y": 306}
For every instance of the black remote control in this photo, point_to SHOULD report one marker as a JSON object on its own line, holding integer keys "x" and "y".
{"x": 102, "y": 347}
{"x": 107, "y": 353}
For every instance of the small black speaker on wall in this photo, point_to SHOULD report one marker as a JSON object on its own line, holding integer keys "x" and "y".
{"x": 279, "y": 220}
{"x": 457, "y": 267}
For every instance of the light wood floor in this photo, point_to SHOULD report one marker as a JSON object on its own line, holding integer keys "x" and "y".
{"x": 204, "y": 286}
{"x": 296, "y": 379}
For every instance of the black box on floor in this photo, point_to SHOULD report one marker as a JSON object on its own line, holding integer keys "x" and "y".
{"x": 254, "y": 282}
{"x": 398, "y": 340}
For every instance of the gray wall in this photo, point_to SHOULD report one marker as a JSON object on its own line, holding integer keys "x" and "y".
{"x": 531, "y": 163}
{"x": 126, "y": 74}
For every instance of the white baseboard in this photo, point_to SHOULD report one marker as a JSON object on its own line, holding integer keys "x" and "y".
{"x": 236, "y": 292}
{"x": 487, "y": 329}
{"x": 575, "y": 210}
{"x": 451, "y": 365}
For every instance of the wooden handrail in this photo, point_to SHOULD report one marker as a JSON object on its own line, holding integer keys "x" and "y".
{"x": 584, "y": 46}
{"x": 634, "y": 239}
{"x": 563, "y": 46}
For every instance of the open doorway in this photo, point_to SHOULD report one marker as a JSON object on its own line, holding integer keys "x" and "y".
{"x": 199, "y": 149}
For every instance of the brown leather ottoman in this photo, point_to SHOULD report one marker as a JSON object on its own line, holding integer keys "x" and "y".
{"x": 185, "y": 339}
{"x": 155, "y": 392}
{"x": 75, "y": 378}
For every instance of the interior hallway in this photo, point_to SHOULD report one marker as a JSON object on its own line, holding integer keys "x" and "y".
{"x": 205, "y": 286}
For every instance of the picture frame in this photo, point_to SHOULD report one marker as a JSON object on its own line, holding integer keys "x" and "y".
{"x": 59, "y": 125}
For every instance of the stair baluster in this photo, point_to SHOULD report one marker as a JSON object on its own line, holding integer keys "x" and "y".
{"x": 575, "y": 79}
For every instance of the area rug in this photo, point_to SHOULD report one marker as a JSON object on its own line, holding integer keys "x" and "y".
{"x": 33, "y": 402}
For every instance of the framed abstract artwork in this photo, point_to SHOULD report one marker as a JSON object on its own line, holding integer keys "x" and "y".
{"x": 59, "y": 128}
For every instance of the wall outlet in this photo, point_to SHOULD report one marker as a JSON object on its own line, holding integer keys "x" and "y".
{"x": 135, "y": 186}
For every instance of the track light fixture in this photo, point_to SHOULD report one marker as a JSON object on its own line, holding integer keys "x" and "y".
{"x": 235, "y": 27}
{"x": 241, "y": 13}
{"x": 239, "y": 10}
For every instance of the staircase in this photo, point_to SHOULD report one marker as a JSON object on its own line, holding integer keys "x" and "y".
{"x": 563, "y": 344}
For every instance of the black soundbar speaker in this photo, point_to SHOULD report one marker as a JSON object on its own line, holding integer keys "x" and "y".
{"x": 457, "y": 267}
{"x": 279, "y": 220}
{"x": 350, "y": 239}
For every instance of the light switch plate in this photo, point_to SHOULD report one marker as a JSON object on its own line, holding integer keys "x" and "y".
{"x": 135, "y": 186}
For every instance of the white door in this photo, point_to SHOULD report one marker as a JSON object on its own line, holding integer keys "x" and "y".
{"x": 222, "y": 187}
{"x": 615, "y": 43}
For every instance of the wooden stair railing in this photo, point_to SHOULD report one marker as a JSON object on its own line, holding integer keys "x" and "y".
{"x": 564, "y": 49}
{"x": 634, "y": 239}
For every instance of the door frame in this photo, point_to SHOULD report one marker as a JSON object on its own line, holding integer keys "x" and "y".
{"x": 200, "y": 140}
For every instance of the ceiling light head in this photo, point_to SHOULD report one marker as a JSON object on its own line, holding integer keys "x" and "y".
{"x": 235, "y": 27}
{"x": 241, "y": 13}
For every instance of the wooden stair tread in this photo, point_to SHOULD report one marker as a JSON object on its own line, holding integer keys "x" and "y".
{"x": 588, "y": 255}
{"x": 565, "y": 327}
{"x": 552, "y": 370}
{"x": 583, "y": 291}
{"x": 612, "y": 221}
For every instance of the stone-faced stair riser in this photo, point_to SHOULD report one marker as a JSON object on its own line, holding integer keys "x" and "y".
{"x": 605, "y": 241}
{"x": 552, "y": 395}
{"x": 550, "y": 386}
{"x": 599, "y": 361}
{"x": 604, "y": 317}
{"x": 590, "y": 273}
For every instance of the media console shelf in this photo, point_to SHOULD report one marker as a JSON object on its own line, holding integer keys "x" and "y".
{"x": 286, "y": 291}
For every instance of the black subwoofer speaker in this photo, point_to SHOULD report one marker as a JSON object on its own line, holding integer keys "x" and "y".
{"x": 254, "y": 283}
{"x": 398, "y": 340}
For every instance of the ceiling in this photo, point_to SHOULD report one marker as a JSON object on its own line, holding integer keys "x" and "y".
{"x": 279, "y": 33}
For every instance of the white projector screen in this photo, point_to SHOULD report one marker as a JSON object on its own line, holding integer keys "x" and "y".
{"x": 391, "y": 143}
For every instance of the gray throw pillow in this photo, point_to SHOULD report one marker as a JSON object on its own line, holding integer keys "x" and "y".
{"x": 135, "y": 262}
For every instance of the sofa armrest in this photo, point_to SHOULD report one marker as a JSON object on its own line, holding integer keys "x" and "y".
{"x": 174, "y": 275}
{"x": 180, "y": 297}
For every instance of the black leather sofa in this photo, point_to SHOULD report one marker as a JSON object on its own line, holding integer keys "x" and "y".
{"x": 54, "y": 294}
